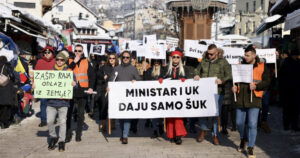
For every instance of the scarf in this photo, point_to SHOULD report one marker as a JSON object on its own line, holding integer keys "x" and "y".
{"x": 63, "y": 67}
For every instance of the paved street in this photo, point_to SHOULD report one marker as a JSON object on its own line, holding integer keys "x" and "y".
{"x": 29, "y": 140}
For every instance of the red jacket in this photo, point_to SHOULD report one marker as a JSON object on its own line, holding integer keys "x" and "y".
{"x": 45, "y": 64}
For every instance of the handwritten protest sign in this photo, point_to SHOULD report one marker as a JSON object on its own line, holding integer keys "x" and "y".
{"x": 242, "y": 73}
{"x": 193, "y": 49}
{"x": 172, "y": 98}
{"x": 172, "y": 43}
{"x": 268, "y": 54}
{"x": 97, "y": 49}
{"x": 53, "y": 84}
{"x": 233, "y": 55}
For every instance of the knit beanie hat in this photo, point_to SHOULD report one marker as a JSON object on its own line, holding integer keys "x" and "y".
{"x": 62, "y": 55}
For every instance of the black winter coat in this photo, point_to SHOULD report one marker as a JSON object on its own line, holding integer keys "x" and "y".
{"x": 8, "y": 92}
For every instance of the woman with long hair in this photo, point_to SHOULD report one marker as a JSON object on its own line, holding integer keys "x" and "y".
{"x": 175, "y": 70}
{"x": 103, "y": 75}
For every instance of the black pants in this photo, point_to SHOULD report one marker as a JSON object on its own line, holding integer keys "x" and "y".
{"x": 226, "y": 110}
{"x": 103, "y": 106}
{"x": 5, "y": 114}
{"x": 290, "y": 111}
{"x": 80, "y": 104}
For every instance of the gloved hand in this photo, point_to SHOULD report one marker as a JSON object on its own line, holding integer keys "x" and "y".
{"x": 182, "y": 79}
{"x": 160, "y": 80}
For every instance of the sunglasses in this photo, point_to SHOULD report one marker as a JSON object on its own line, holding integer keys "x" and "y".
{"x": 59, "y": 59}
{"x": 47, "y": 52}
{"x": 176, "y": 57}
{"x": 210, "y": 54}
{"x": 125, "y": 57}
{"x": 78, "y": 51}
{"x": 112, "y": 58}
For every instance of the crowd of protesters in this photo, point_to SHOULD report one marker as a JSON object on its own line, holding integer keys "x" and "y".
{"x": 93, "y": 74}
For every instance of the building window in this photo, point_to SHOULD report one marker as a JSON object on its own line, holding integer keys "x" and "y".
{"x": 254, "y": 6}
{"x": 240, "y": 31}
{"x": 24, "y": 5}
{"x": 247, "y": 7}
{"x": 254, "y": 27}
{"x": 60, "y": 8}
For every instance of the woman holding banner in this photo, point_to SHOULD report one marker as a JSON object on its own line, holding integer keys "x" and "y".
{"x": 175, "y": 70}
{"x": 153, "y": 74}
{"x": 103, "y": 75}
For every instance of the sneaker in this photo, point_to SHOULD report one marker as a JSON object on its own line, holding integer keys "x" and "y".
{"x": 250, "y": 153}
{"x": 242, "y": 146}
{"x": 42, "y": 124}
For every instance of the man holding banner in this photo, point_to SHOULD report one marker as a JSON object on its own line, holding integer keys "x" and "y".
{"x": 125, "y": 72}
{"x": 249, "y": 100}
{"x": 213, "y": 66}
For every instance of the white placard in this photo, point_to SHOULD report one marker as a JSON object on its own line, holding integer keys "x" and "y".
{"x": 242, "y": 73}
{"x": 85, "y": 50}
{"x": 9, "y": 54}
{"x": 193, "y": 49}
{"x": 172, "y": 43}
{"x": 172, "y": 98}
{"x": 268, "y": 54}
{"x": 233, "y": 55}
{"x": 157, "y": 51}
{"x": 97, "y": 49}
{"x": 140, "y": 51}
{"x": 149, "y": 39}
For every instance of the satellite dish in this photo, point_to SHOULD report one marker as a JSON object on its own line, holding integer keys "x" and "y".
{"x": 200, "y": 4}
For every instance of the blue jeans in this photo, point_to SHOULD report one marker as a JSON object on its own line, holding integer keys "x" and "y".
{"x": 251, "y": 129}
{"x": 125, "y": 127}
{"x": 43, "y": 108}
{"x": 203, "y": 122}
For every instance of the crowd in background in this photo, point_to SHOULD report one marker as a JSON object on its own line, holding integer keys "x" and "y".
{"x": 93, "y": 73}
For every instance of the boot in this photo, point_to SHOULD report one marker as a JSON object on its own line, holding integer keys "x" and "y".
{"x": 250, "y": 153}
{"x": 154, "y": 135}
{"x": 201, "y": 136}
{"x": 242, "y": 146}
{"x": 61, "y": 146}
{"x": 68, "y": 136}
{"x": 178, "y": 140}
{"x": 264, "y": 125}
{"x": 216, "y": 140}
{"x": 42, "y": 124}
{"x": 124, "y": 140}
{"x": 52, "y": 143}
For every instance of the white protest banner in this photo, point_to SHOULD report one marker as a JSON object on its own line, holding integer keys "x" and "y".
{"x": 193, "y": 49}
{"x": 242, "y": 73}
{"x": 97, "y": 49}
{"x": 140, "y": 51}
{"x": 53, "y": 84}
{"x": 268, "y": 54}
{"x": 233, "y": 55}
{"x": 172, "y": 43}
{"x": 149, "y": 39}
{"x": 172, "y": 98}
{"x": 85, "y": 50}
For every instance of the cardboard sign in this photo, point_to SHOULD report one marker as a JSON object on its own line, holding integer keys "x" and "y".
{"x": 193, "y": 49}
{"x": 53, "y": 84}
{"x": 233, "y": 55}
{"x": 172, "y": 98}
{"x": 242, "y": 73}
{"x": 269, "y": 55}
{"x": 97, "y": 49}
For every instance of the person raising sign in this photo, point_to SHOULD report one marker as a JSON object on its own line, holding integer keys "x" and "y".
{"x": 245, "y": 108}
{"x": 175, "y": 70}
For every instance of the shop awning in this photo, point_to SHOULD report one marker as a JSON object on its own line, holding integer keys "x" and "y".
{"x": 270, "y": 22}
{"x": 279, "y": 7}
{"x": 292, "y": 20}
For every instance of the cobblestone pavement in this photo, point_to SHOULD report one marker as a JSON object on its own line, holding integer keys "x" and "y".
{"x": 28, "y": 140}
